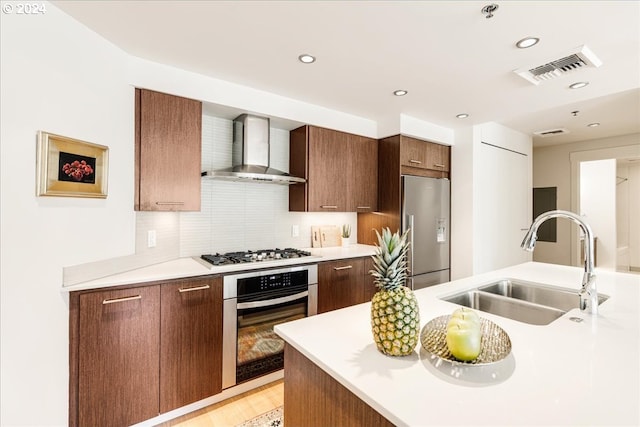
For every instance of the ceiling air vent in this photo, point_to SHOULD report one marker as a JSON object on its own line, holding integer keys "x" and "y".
{"x": 551, "y": 132}
{"x": 580, "y": 57}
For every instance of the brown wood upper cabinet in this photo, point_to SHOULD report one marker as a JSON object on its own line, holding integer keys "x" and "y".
{"x": 168, "y": 136}
{"x": 362, "y": 174}
{"x": 340, "y": 168}
{"x": 400, "y": 155}
{"x": 136, "y": 352}
{"x": 418, "y": 154}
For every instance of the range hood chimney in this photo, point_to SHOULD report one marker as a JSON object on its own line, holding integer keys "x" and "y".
{"x": 250, "y": 154}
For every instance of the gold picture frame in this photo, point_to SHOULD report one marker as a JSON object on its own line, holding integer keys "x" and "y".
{"x": 69, "y": 167}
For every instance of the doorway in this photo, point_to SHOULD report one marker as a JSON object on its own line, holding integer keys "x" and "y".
{"x": 622, "y": 247}
{"x": 627, "y": 218}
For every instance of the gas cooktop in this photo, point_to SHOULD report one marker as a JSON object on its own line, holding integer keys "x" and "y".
{"x": 254, "y": 256}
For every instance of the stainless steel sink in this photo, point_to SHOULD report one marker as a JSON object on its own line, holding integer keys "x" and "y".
{"x": 551, "y": 296}
{"x": 527, "y": 302}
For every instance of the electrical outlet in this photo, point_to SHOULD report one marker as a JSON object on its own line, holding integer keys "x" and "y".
{"x": 151, "y": 238}
{"x": 295, "y": 231}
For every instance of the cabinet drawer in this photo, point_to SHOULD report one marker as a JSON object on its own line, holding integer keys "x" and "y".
{"x": 369, "y": 283}
{"x": 340, "y": 284}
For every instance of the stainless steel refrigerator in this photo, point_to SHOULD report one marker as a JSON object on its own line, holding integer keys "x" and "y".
{"x": 426, "y": 212}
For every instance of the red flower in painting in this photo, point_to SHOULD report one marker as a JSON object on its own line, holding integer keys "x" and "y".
{"x": 77, "y": 169}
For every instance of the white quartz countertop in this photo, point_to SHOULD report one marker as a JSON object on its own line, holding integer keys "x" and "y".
{"x": 194, "y": 266}
{"x": 564, "y": 373}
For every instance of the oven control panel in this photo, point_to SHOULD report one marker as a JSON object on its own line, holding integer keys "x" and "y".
{"x": 265, "y": 281}
{"x": 272, "y": 282}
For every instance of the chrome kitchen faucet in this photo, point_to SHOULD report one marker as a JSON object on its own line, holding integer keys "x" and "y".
{"x": 588, "y": 293}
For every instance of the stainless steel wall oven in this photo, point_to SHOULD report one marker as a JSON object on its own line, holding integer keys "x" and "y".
{"x": 254, "y": 302}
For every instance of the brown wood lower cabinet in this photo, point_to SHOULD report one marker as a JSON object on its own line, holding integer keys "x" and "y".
{"x": 190, "y": 342}
{"x": 136, "y": 352}
{"x": 344, "y": 283}
{"x": 118, "y": 367}
{"x": 369, "y": 285}
{"x": 340, "y": 284}
{"x": 314, "y": 398}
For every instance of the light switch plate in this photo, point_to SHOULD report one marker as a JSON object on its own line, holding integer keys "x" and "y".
{"x": 151, "y": 238}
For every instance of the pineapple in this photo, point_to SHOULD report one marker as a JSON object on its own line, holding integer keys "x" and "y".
{"x": 395, "y": 319}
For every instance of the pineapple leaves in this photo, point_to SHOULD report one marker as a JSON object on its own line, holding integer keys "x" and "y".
{"x": 390, "y": 260}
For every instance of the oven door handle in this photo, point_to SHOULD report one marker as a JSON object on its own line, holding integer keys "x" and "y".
{"x": 275, "y": 301}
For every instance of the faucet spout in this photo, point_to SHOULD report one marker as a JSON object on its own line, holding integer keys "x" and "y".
{"x": 588, "y": 291}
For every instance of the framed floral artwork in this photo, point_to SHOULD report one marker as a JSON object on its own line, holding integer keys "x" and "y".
{"x": 69, "y": 167}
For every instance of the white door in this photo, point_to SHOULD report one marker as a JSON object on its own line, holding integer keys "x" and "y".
{"x": 502, "y": 205}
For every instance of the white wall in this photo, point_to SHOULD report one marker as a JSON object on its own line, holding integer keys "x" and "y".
{"x": 462, "y": 189}
{"x": 598, "y": 207}
{"x": 502, "y": 196}
{"x": 552, "y": 167}
{"x": 493, "y": 183}
{"x": 58, "y": 77}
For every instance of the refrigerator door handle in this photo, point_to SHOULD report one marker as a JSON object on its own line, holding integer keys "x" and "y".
{"x": 411, "y": 220}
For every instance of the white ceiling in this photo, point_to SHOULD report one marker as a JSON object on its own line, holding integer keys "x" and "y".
{"x": 447, "y": 54}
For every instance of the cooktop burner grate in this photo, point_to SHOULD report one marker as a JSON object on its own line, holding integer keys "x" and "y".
{"x": 254, "y": 256}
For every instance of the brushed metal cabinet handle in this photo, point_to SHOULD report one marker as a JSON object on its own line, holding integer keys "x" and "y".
{"x": 169, "y": 203}
{"x": 363, "y": 207}
{"x": 115, "y": 300}
{"x": 346, "y": 267}
{"x": 418, "y": 162}
{"x": 329, "y": 206}
{"x": 411, "y": 226}
{"x": 438, "y": 165}
{"x": 195, "y": 288}
{"x": 271, "y": 302}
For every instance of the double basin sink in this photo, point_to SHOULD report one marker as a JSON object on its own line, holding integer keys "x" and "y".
{"x": 527, "y": 302}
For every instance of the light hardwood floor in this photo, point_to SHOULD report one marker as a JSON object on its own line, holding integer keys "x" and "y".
{"x": 234, "y": 410}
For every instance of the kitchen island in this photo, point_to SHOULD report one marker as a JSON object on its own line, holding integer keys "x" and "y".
{"x": 578, "y": 370}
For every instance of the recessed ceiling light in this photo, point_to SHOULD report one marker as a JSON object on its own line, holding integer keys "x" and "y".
{"x": 578, "y": 85}
{"x": 400, "y": 92}
{"x": 462, "y": 116}
{"x": 306, "y": 58}
{"x": 527, "y": 42}
{"x": 593, "y": 125}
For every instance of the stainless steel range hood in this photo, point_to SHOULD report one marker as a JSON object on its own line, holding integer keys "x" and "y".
{"x": 250, "y": 154}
